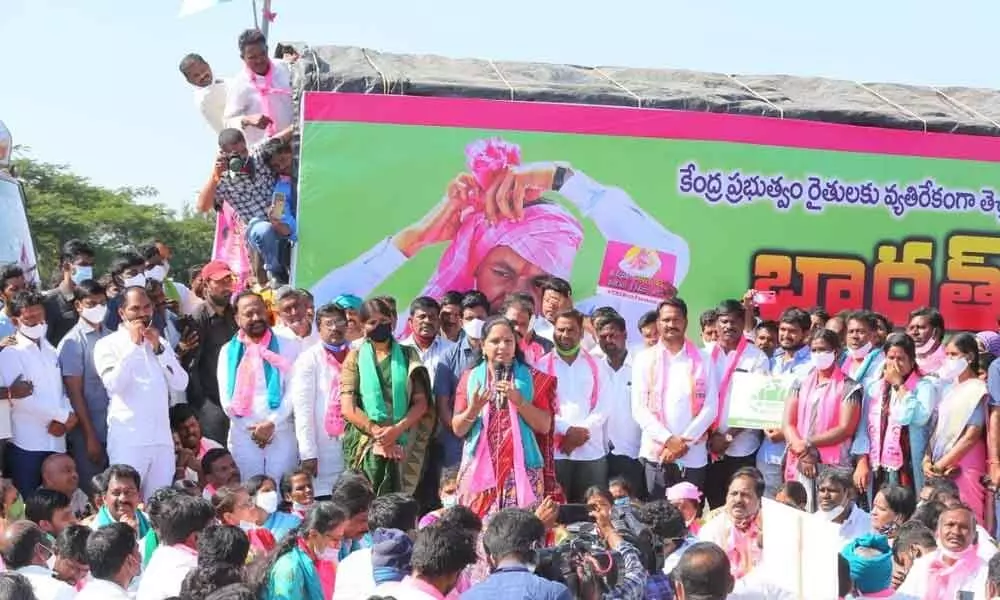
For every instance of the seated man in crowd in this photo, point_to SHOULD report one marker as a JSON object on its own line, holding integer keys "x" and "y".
{"x": 59, "y": 474}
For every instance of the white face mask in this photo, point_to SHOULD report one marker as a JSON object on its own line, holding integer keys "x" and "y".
{"x": 300, "y": 507}
{"x": 247, "y": 526}
{"x": 449, "y": 500}
{"x": 35, "y": 332}
{"x": 926, "y": 346}
{"x": 267, "y": 501}
{"x": 94, "y": 314}
{"x": 822, "y": 360}
{"x": 82, "y": 273}
{"x": 137, "y": 281}
{"x": 833, "y": 513}
{"x": 861, "y": 352}
{"x": 329, "y": 554}
{"x": 157, "y": 273}
{"x": 952, "y": 368}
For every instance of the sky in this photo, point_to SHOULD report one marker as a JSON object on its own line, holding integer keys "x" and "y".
{"x": 94, "y": 84}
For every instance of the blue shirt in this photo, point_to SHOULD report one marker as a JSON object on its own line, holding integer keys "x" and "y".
{"x": 6, "y": 327}
{"x": 76, "y": 359}
{"x": 280, "y": 523}
{"x": 993, "y": 382}
{"x": 773, "y": 452}
{"x": 517, "y": 582}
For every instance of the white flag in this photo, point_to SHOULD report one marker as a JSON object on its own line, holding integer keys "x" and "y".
{"x": 190, "y": 7}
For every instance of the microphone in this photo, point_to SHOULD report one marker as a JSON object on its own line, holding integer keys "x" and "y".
{"x": 499, "y": 374}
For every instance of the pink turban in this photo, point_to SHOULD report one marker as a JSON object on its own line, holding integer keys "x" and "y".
{"x": 548, "y": 237}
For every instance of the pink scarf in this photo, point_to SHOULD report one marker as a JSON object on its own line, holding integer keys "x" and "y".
{"x": 532, "y": 351}
{"x": 887, "y": 453}
{"x": 204, "y": 445}
{"x": 230, "y": 245}
{"x": 826, "y": 413}
{"x": 251, "y": 370}
{"x": 657, "y": 394}
{"x": 743, "y": 548}
{"x": 944, "y": 581}
{"x": 334, "y": 420}
{"x": 264, "y": 84}
{"x": 727, "y": 376}
{"x": 482, "y": 473}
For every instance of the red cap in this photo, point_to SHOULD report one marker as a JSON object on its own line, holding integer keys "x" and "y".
{"x": 216, "y": 270}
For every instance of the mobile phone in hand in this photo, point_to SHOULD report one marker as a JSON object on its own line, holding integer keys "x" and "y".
{"x": 765, "y": 297}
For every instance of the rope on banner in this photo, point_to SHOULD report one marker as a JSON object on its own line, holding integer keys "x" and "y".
{"x": 385, "y": 80}
{"x": 895, "y": 105}
{"x": 781, "y": 111}
{"x": 638, "y": 98}
{"x": 962, "y": 106}
{"x": 506, "y": 82}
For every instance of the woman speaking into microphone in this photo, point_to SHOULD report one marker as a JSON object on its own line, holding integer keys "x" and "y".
{"x": 504, "y": 413}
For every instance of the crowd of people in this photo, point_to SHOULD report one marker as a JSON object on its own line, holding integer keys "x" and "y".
{"x": 203, "y": 441}
{"x": 232, "y": 437}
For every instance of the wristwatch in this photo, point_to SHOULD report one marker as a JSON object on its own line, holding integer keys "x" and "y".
{"x": 562, "y": 174}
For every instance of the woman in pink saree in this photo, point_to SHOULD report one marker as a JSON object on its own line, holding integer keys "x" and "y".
{"x": 957, "y": 447}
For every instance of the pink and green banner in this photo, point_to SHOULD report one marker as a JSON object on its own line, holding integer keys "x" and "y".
{"x": 408, "y": 195}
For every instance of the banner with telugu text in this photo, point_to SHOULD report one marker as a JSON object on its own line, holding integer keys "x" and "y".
{"x": 415, "y": 195}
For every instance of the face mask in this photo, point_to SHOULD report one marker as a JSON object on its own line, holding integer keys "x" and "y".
{"x": 16, "y": 510}
{"x": 81, "y": 274}
{"x": 267, "y": 501}
{"x": 862, "y": 351}
{"x": 927, "y": 346}
{"x": 137, "y": 281}
{"x": 247, "y": 526}
{"x": 300, "y": 507}
{"x": 449, "y": 500}
{"x": 822, "y": 360}
{"x": 35, "y": 332}
{"x": 337, "y": 347}
{"x": 832, "y": 514}
{"x": 889, "y": 529}
{"x": 157, "y": 273}
{"x": 381, "y": 333}
{"x": 94, "y": 314}
{"x": 625, "y": 501}
{"x": 329, "y": 554}
{"x": 953, "y": 367}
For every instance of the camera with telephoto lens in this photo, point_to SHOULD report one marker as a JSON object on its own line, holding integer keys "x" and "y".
{"x": 582, "y": 562}
{"x": 235, "y": 163}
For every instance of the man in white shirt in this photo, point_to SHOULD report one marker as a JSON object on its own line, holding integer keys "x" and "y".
{"x": 674, "y": 400}
{"x": 294, "y": 324}
{"x": 732, "y": 353}
{"x": 41, "y": 420}
{"x": 580, "y": 437}
{"x": 113, "y": 556}
{"x": 426, "y": 336}
{"x": 209, "y": 92}
{"x": 315, "y": 395}
{"x": 259, "y": 99}
{"x": 179, "y": 523}
{"x": 139, "y": 370}
{"x": 388, "y": 518}
{"x": 954, "y": 567}
{"x": 26, "y": 550}
{"x": 261, "y": 436}
{"x": 623, "y": 432}
{"x": 836, "y": 504}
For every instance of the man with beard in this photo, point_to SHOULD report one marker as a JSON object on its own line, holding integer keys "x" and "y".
{"x": 926, "y": 327}
{"x": 732, "y": 353}
{"x": 294, "y": 324}
{"x": 253, "y": 373}
{"x": 674, "y": 400}
{"x": 315, "y": 395}
{"x": 790, "y": 360}
{"x": 579, "y": 425}
{"x": 139, "y": 370}
{"x": 954, "y": 567}
{"x": 215, "y": 321}
{"x": 616, "y": 377}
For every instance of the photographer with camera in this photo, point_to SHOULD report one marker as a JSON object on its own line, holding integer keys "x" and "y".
{"x": 511, "y": 542}
{"x": 666, "y": 522}
{"x": 616, "y": 536}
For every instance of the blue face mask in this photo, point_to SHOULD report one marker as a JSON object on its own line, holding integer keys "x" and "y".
{"x": 82, "y": 273}
{"x": 337, "y": 347}
{"x": 624, "y": 501}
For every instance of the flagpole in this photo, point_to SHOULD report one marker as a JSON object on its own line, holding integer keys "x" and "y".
{"x": 256, "y": 22}
{"x": 265, "y": 20}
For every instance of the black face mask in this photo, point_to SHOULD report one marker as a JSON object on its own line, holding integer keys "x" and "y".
{"x": 381, "y": 333}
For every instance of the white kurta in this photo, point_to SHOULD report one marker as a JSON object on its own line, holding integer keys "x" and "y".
{"x": 309, "y": 391}
{"x": 211, "y": 103}
{"x": 915, "y": 585}
{"x": 281, "y": 455}
{"x": 243, "y": 99}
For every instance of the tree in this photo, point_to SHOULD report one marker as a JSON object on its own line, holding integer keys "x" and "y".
{"x": 62, "y": 206}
